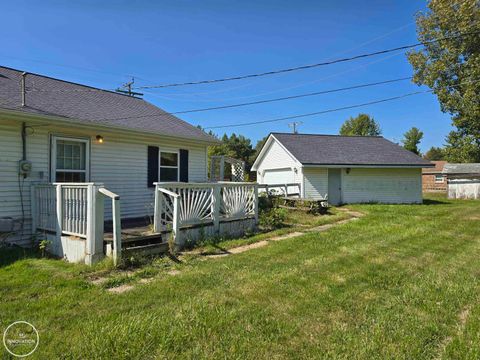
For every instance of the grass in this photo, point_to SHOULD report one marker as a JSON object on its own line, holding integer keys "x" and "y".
{"x": 295, "y": 221}
{"x": 401, "y": 282}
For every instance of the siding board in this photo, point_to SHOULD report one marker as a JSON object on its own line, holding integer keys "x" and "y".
{"x": 394, "y": 186}
{"x": 316, "y": 182}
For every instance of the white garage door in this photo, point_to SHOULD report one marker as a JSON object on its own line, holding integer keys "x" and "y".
{"x": 278, "y": 176}
{"x": 281, "y": 176}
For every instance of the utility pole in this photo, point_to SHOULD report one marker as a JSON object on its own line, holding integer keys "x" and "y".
{"x": 294, "y": 125}
{"x": 128, "y": 87}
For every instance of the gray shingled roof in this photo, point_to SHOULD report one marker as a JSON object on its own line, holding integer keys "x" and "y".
{"x": 469, "y": 168}
{"x": 312, "y": 149}
{"x": 48, "y": 96}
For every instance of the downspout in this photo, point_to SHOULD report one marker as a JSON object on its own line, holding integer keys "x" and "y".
{"x": 24, "y": 141}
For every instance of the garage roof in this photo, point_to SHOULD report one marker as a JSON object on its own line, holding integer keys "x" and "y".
{"x": 316, "y": 149}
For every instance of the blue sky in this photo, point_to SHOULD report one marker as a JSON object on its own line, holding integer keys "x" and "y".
{"x": 102, "y": 43}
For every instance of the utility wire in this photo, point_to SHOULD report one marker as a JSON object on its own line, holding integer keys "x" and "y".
{"x": 321, "y": 112}
{"x": 293, "y": 96}
{"x": 338, "y": 109}
{"x": 260, "y": 101}
{"x": 304, "y": 67}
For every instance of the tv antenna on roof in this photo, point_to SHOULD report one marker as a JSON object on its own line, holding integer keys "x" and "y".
{"x": 127, "y": 89}
{"x": 294, "y": 125}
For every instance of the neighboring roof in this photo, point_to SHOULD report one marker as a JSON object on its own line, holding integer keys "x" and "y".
{"x": 315, "y": 149}
{"x": 438, "y": 169}
{"x": 467, "y": 168}
{"x": 75, "y": 102}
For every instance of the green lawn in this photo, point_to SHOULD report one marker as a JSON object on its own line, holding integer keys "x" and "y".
{"x": 401, "y": 282}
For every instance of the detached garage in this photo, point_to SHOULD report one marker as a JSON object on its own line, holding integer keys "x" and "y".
{"x": 349, "y": 169}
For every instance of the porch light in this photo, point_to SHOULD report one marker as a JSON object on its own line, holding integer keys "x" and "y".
{"x": 100, "y": 139}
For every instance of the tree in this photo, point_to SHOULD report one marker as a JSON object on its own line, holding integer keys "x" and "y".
{"x": 451, "y": 68}
{"x": 238, "y": 147}
{"x": 363, "y": 125}
{"x": 461, "y": 148}
{"x": 411, "y": 139}
{"x": 259, "y": 146}
{"x": 434, "y": 154}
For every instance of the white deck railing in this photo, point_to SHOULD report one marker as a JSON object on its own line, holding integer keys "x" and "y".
{"x": 74, "y": 206}
{"x": 180, "y": 205}
{"x": 75, "y": 209}
{"x": 289, "y": 189}
{"x": 44, "y": 207}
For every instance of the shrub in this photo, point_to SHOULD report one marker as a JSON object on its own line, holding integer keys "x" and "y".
{"x": 273, "y": 218}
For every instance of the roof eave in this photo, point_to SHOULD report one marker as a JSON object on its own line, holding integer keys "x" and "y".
{"x": 343, "y": 165}
{"x": 22, "y": 115}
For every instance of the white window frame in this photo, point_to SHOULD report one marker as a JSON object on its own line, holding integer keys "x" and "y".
{"x": 53, "y": 157}
{"x": 439, "y": 181}
{"x": 160, "y": 151}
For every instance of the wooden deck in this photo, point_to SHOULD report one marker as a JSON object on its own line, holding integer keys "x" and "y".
{"x": 137, "y": 237}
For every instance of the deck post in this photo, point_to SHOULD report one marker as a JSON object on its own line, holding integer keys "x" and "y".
{"x": 59, "y": 220}
{"x": 95, "y": 215}
{"x": 117, "y": 231}
{"x": 216, "y": 199}
{"x": 176, "y": 220}
{"x": 255, "y": 205}
{"x": 157, "y": 211}
{"x": 33, "y": 210}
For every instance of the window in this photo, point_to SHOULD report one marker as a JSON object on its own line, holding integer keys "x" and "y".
{"x": 168, "y": 166}
{"x": 439, "y": 178}
{"x": 70, "y": 160}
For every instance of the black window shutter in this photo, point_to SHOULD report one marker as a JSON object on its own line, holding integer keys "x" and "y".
{"x": 152, "y": 173}
{"x": 183, "y": 165}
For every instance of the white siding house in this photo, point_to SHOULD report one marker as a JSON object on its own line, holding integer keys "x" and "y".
{"x": 67, "y": 132}
{"x": 120, "y": 163}
{"x": 347, "y": 169}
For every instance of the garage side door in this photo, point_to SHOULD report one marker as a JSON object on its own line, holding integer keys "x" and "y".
{"x": 280, "y": 176}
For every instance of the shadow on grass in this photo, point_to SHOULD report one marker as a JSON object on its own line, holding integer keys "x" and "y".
{"x": 434, "y": 202}
{"x": 174, "y": 258}
{"x": 11, "y": 254}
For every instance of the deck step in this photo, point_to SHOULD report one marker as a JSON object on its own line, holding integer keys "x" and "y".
{"x": 149, "y": 249}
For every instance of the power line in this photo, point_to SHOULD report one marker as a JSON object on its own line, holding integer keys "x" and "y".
{"x": 304, "y": 67}
{"x": 321, "y": 112}
{"x": 261, "y": 101}
{"x": 293, "y": 96}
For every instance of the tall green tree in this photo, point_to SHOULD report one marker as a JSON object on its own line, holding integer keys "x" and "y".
{"x": 434, "y": 154}
{"x": 236, "y": 146}
{"x": 451, "y": 68}
{"x": 259, "y": 146}
{"x": 362, "y": 125}
{"x": 411, "y": 139}
{"x": 461, "y": 148}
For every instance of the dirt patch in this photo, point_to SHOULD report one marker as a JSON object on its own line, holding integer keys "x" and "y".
{"x": 120, "y": 289}
{"x": 173, "y": 272}
{"x": 145, "y": 280}
{"x": 99, "y": 281}
{"x": 287, "y": 236}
